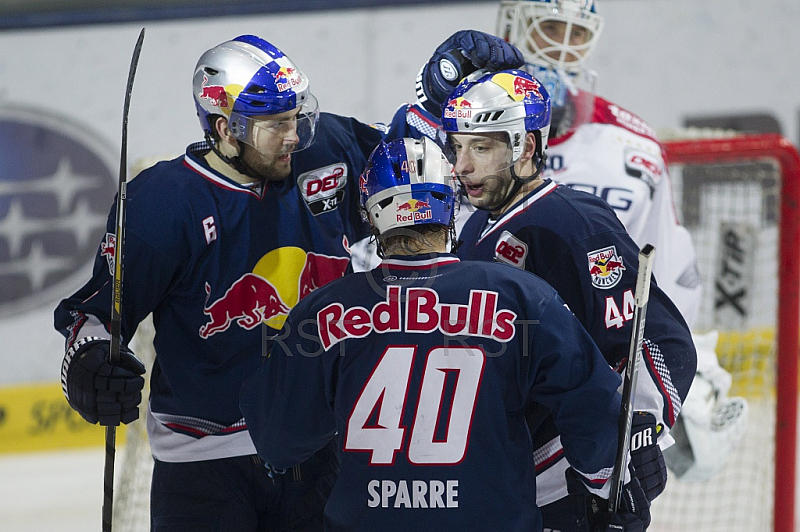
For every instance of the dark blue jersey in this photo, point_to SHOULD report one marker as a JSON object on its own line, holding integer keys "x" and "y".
{"x": 575, "y": 242}
{"x": 213, "y": 260}
{"x": 423, "y": 369}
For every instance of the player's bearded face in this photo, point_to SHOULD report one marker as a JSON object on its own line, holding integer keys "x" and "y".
{"x": 274, "y": 140}
{"x": 482, "y": 164}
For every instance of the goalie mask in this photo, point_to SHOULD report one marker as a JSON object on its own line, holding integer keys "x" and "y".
{"x": 247, "y": 79}
{"x": 502, "y": 108}
{"x": 556, "y": 37}
{"x": 407, "y": 182}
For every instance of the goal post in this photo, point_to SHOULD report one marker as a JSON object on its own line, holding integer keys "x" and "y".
{"x": 737, "y": 174}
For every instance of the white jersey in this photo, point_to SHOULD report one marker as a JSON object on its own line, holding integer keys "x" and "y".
{"x": 617, "y": 157}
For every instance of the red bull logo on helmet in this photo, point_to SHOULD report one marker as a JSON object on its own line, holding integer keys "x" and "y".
{"x": 287, "y": 78}
{"x": 458, "y": 108}
{"x": 518, "y": 87}
{"x": 605, "y": 267}
{"x": 215, "y": 94}
{"x": 414, "y": 210}
{"x": 279, "y": 280}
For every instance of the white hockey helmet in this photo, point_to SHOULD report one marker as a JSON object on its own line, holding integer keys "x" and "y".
{"x": 248, "y": 77}
{"x": 529, "y": 25}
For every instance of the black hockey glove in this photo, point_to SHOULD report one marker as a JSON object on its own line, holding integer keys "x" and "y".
{"x": 98, "y": 391}
{"x": 463, "y": 53}
{"x": 633, "y": 514}
{"x": 646, "y": 457}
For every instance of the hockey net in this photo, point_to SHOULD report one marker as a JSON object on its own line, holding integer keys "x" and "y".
{"x": 739, "y": 196}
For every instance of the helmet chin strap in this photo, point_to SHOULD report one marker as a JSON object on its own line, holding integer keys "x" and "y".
{"x": 236, "y": 162}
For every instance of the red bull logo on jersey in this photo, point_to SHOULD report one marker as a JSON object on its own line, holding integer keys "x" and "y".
{"x": 107, "y": 247}
{"x": 518, "y": 87}
{"x": 421, "y": 312}
{"x": 287, "y": 78}
{"x": 458, "y": 108}
{"x": 215, "y": 94}
{"x": 280, "y": 279}
{"x": 605, "y": 267}
{"x": 414, "y": 210}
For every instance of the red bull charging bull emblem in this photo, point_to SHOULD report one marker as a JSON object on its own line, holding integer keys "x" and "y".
{"x": 605, "y": 267}
{"x": 414, "y": 210}
{"x": 107, "y": 247}
{"x": 214, "y": 93}
{"x": 518, "y": 87}
{"x": 287, "y": 78}
{"x": 458, "y": 108}
{"x": 279, "y": 280}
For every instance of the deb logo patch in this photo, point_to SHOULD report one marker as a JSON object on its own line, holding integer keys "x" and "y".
{"x": 605, "y": 267}
{"x": 511, "y": 250}
{"x": 323, "y": 188}
{"x": 56, "y": 187}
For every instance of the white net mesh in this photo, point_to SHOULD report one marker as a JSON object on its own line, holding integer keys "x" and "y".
{"x": 135, "y": 464}
{"x": 732, "y": 211}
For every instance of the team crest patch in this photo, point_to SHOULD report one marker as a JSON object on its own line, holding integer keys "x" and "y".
{"x": 511, "y": 250}
{"x": 323, "y": 188}
{"x": 107, "y": 247}
{"x": 605, "y": 267}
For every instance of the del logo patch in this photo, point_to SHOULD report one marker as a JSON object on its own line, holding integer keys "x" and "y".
{"x": 323, "y": 188}
{"x": 605, "y": 267}
{"x": 511, "y": 250}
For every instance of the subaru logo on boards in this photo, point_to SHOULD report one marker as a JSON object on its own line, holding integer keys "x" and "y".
{"x": 57, "y": 184}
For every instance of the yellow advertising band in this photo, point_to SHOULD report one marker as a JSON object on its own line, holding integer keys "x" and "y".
{"x": 37, "y": 417}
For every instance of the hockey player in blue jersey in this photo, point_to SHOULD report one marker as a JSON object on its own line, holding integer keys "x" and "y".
{"x": 423, "y": 369}
{"x": 497, "y": 126}
{"x": 219, "y": 241}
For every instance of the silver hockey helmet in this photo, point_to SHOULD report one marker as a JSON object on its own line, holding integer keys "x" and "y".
{"x": 512, "y": 102}
{"x": 247, "y": 78}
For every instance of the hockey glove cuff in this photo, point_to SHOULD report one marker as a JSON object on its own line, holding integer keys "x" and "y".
{"x": 633, "y": 514}
{"x": 96, "y": 389}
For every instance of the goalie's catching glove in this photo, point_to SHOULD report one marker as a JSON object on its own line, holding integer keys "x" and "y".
{"x": 646, "y": 457}
{"x": 461, "y": 54}
{"x": 96, "y": 389}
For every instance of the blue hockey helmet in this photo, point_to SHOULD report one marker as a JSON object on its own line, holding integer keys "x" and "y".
{"x": 246, "y": 78}
{"x": 407, "y": 182}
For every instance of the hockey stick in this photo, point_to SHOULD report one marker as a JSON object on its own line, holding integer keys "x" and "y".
{"x": 631, "y": 372}
{"x": 116, "y": 307}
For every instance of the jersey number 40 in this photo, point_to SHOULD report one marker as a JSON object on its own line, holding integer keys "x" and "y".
{"x": 376, "y": 422}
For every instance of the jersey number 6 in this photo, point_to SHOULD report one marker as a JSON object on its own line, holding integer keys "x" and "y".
{"x": 375, "y": 424}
